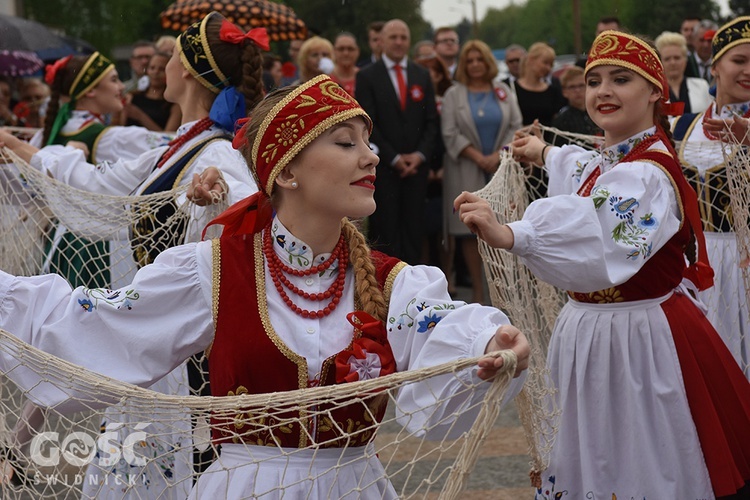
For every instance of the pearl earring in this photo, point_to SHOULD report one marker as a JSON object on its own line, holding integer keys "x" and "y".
{"x": 294, "y": 185}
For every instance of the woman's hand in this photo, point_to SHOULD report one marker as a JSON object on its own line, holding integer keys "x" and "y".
{"x": 478, "y": 216}
{"x": 528, "y": 149}
{"x": 506, "y": 337}
{"x": 207, "y": 188}
{"x": 735, "y": 129}
{"x": 534, "y": 129}
{"x": 22, "y": 148}
{"x": 79, "y": 145}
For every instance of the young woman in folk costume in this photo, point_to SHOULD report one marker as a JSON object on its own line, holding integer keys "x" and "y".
{"x": 291, "y": 250}
{"x": 703, "y": 164}
{"x": 91, "y": 89}
{"x": 653, "y": 405}
{"x": 214, "y": 75}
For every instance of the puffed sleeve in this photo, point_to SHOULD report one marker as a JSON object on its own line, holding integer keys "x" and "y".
{"x": 426, "y": 328}
{"x": 565, "y": 166}
{"x": 591, "y": 243}
{"x": 119, "y": 178}
{"x": 126, "y": 143}
{"x": 136, "y": 334}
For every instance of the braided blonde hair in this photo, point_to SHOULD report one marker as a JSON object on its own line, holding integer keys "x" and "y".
{"x": 365, "y": 280}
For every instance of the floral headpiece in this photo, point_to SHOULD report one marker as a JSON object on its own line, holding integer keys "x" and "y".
{"x": 297, "y": 120}
{"x": 293, "y": 123}
{"x": 730, "y": 35}
{"x": 620, "y": 49}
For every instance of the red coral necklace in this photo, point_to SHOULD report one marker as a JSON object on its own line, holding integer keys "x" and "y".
{"x": 278, "y": 270}
{"x": 176, "y": 143}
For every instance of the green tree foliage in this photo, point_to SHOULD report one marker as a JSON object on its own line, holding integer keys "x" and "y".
{"x": 740, "y": 7}
{"x": 551, "y": 21}
{"x": 104, "y": 24}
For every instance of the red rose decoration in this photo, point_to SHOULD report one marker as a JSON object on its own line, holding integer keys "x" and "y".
{"x": 370, "y": 354}
{"x": 416, "y": 92}
{"x": 501, "y": 94}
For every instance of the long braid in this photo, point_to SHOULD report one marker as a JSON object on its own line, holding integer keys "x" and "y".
{"x": 365, "y": 281}
{"x": 52, "y": 108}
{"x": 251, "y": 85}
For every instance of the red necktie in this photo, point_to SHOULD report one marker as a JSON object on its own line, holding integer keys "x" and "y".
{"x": 401, "y": 86}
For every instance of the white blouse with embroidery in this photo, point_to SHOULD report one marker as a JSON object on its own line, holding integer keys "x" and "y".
{"x": 165, "y": 316}
{"x": 121, "y": 177}
{"x": 586, "y": 244}
{"x": 114, "y": 143}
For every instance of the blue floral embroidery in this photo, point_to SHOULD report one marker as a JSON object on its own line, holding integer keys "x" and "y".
{"x": 549, "y": 494}
{"x": 409, "y": 316}
{"x": 115, "y": 298}
{"x": 281, "y": 240}
{"x": 614, "y": 154}
{"x": 648, "y": 221}
{"x": 623, "y": 208}
{"x": 428, "y": 323}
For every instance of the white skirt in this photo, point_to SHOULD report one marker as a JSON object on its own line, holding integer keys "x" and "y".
{"x": 166, "y": 447}
{"x": 245, "y": 471}
{"x": 626, "y": 427}
{"x": 727, "y": 299}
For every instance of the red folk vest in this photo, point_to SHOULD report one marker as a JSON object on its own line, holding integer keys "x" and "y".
{"x": 248, "y": 357}
{"x": 663, "y": 271}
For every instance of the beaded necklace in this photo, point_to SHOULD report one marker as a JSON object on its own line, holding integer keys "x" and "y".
{"x": 277, "y": 270}
{"x": 176, "y": 143}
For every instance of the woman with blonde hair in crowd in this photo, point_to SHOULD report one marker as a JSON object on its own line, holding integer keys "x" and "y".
{"x": 478, "y": 118}
{"x": 538, "y": 100}
{"x": 315, "y": 58}
{"x": 692, "y": 91}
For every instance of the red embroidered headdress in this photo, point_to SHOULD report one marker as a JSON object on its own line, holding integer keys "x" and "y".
{"x": 292, "y": 124}
{"x": 614, "y": 48}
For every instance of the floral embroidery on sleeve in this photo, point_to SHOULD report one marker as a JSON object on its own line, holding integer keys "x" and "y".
{"x": 426, "y": 317}
{"x": 631, "y": 232}
{"x": 120, "y": 299}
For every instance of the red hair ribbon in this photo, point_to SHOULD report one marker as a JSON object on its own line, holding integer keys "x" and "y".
{"x": 240, "y": 129}
{"x": 248, "y": 216}
{"x": 51, "y": 70}
{"x": 232, "y": 34}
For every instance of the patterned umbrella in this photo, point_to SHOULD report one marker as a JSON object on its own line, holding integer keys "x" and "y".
{"x": 279, "y": 20}
{"x": 19, "y": 63}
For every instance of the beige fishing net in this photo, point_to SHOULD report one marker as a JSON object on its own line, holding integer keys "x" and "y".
{"x": 100, "y": 438}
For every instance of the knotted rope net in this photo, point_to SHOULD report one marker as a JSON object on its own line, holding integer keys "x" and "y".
{"x": 72, "y": 433}
{"x": 532, "y": 306}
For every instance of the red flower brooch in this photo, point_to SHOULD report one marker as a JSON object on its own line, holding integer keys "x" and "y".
{"x": 369, "y": 355}
{"x": 416, "y": 92}
{"x": 501, "y": 94}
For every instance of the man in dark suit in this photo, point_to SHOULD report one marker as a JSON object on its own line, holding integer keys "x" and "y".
{"x": 399, "y": 97}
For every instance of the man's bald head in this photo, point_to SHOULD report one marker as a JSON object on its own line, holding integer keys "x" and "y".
{"x": 395, "y": 39}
